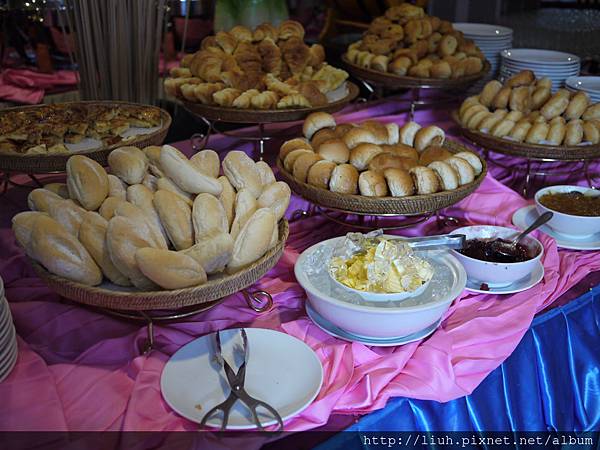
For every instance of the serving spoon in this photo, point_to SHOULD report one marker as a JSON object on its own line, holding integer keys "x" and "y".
{"x": 505, "y": 248}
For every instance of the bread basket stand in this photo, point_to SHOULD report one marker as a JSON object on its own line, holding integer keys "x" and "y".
{"x": 448, "y": 90}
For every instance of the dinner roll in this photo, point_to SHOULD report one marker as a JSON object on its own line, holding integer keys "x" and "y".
{"x": 447, "y": 175}
{"x": 341, "y": 129}
{"x": 519, "y": 131}
{"x": 372, "y": 184}
{"x": 472, "y": 159}
{"x": 557, "y": 104}
{"x": 320, "y": 173}
{"x": 476, "y": 119}
{"x": 109, "y": 206}
{"x": 467, "y": 116}
{"x": 302, "y": 164}
{"x": 129, "y": 164}
{"x": 277, "y": 197}
{"x": 592, "y": 112}
{"x": 242, "y": 173}
{"x": 408, "y": 132}
{"x": 468, "y": 102}
{"x": 402, "y": 150}
{"x": 186, "y": 175}
{"x": 523, "y": 78}
{"x": 344, "y": 179}
{"x": 361, "y": 155}
{"x": 537, "y": 133}
{"x": 502, "y": 98}
{"x": 427, "y": 136}
{"x": 316, "y": 121}
{"x": 425, "y": 179}
{"x": 433, "y": 153}
{"x": 540, "y": 96}
{"x": 591, "y": 133}
{"x": 321, "y": 136}
{"x": 169, "y": 269}
{"x": 207, "y": 162}
{"x": 378, "y": 129}
{"x": 393, "y": 131}
{"x": 399, "y": 182}
{"x": 502, "y": 128}
{"x": 519, "y": 99}
{"x": 466, "y": 173}
{"x": 357, "y": 136}
{"x": 334, "y": 150}
{"x": 143, "y": 221}
{"x": 143, "y": 198}
{"x": 384, "y": 161}
{"x": 293, "y": 144}
{"x": 87, "y": 182}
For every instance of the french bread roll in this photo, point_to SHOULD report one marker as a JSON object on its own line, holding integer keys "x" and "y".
{"x": 143, "y": 222}
{"x": 130, "y": 164}
{"x": 293, "y": 144}
{"x": 151, "y": 182}
{"x": 169, "y": 269}
{"x": 399, "y": 181}
{"x": 490, "y": 90}
{"x": 22, "y": 226}
{"x": 544, "y": 82}
{"x": 165, "y": 184}
{"x": 208, "y": 214}
{"x": 207, "y": 162}
{"x": 277, "y": 197}
{"x": 372, "y": 184}
{"x": 212, "y": 251}
{"x": 502, "y": 98}
{"x": 92, "y": 234}
{"x": 502, "y": 128}
{"x": 109, "y": 206}
{"x": 477, "y": 118}
{"x": 591, "y": 133}
{"x": 489, "y": 122}
{"x": 402, "y": 150}
{"x": 466, "y": 173}
{"x": 41, "y": 200}
{"x": 185, "y": 174}
{"x": 267, "y": 176}
{"x": 334, "y": 150}
{"x": 253, "y": 240}
{"x": 540, "y": 96}
{"x": 176, "y": 218}
{"x": 302, "y": 164}
{"x": 447, "y": 175}
{"x": 520, "y": 130}
{"x": 59, "y": 189}
{"x": 425, "y": 179}
{"x": 68, "y": 214}
{"x": 592, "y": 112}
{"x": 556, "y": 133}
{"x": 142, "y": 197}
{"x": 326, "y": 134}
{"x": 537, "y": 133}
{"x": 116, "y": 187}
{"x": 472, "y": 159}
{"x": 574, "y": 133}
{"x": 227, "y": 199}
{"x": 317, "y": 121}
{"x": 519, "y": 99}
{"x": 408, "y": 132}
{"x": 344, "y": 179}
{"x": 245, "y": 206}
{"x": 427, "y": 136}
{"x": 577, "y": 106}
{"x": 361, "y": 155}
{"x": 320, "y": 173}
{"x": 468, "y": 102}
{"x": 87, "y": 182}
{"x": 357, "y": 136}
{"x": 61, "y": 253}
{"x": 242, "y": 172}
{"x": 557, "y": 104}
{"x": 433, "y": 153}
{"x": 123, "y": 239}
{"x": 291, "y": 158}
{"x": 473, "y": 115}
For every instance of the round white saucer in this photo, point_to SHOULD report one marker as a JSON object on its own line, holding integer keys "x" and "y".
{"x": 337, "y": 332}
{"x": 525, "y": 216}
{"x": 518, "y": 286}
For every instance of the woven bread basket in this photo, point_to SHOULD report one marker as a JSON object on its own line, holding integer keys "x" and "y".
{"x": 216, "y": 288}
{"x": 47, "y": 163}
{"x": 391, "y": 80}
{"x": 405, "y": 206}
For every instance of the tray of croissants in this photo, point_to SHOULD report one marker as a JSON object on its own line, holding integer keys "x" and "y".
{"x": 265, "y": 74}
{"x": 407, "y": 48}
{"x": 375, "y": 168}
{"x": 160, "y": 231}
{"x": 523, "y": 117}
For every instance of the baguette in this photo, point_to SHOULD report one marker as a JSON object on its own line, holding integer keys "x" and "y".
{"x": 87, "y": 182}
{"x": 253, "y": 240}
{"x": 176, "y": 217}
{"x": 168, "y": 269}
{"x": 185, "y": 174}
{"x": 242, "y": 172}
{"x": 212, "y": 251}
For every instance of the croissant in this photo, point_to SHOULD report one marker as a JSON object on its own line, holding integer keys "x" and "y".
{"x": 289, "y": 29}
{"x": 293, "y": 101}
{"x": 180, "y": 72}
{"x": 226, "y": 41}
{"x": 404, "y": 12}
{"x": 271, "y": 56}
{"x": 364, "y": 59}
{"x": 173, "y": 85}
{"x": 187, "y": 60}
{"x": 188, "y": 92}
{"x": 207, "y": 66}
{"x": 316, "y": 55}
{"x": 379, "y": 25}
{"x": 226, "y": 97}
{"x": 382, "y": 46}
{"x": 264, "y": 100}
{"x": 380, "y": 63}
{"x": 248, "y": 57}
{"x": 265, "y": 30}
{"x": 243, "y": 101}
{"x": 241, "y": 33}
{"x": 295, "y": 54}
{"x": 278, "y": 86}
{"x": 310, "y": 90}
{"x": 332, "y": 76}
{"x": 395, "y": 32}
{"x": 205, "y": 91}
{"x": 352, "y": 54}
{"x": 209, "y": 42}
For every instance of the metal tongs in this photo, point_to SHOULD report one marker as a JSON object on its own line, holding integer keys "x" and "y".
{"x": 455, "y": 241}
{"x": 236, "y": 384}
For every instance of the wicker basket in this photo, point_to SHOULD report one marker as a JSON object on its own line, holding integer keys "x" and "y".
{"x": 233, "y": 115}
{"x": 218, "y": 287}
{"x": 384, "y": 206}
{"x": 393, "y": 81}
{"x": 58, "y": 162}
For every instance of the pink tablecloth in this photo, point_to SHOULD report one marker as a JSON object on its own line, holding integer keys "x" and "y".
{"x": 29, "y": 87}
{"x": 81, "y": 370}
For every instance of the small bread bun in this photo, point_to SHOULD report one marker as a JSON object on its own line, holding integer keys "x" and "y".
{"x": 372, "y": 184}
{"x": 344, "y": 179}
{"x": 176, "y": 216}
{"x": 267, "y": 176}
{"x": 489, "y": 122}
{"x": 87, "y": 182}
{"x": 293, "y": 144}
{"x": 591, "y": 133}
{"x": 540, "y": 95}
{"x": 277, "y": 197}
{"x": 320, "y": 173}
{"x": 207, "y": 162}
{"x": 523, "y": 78}
{"x": 467, "y": 103}
{"x": 556, "y": 132}
{"x": 401, "y": 150}
{"x": 544, "y": 82}
{"x": 212, "y": 251}
{"x": 476, "y": 119}
{"x": 535, "y": 117}
{"x": 334, "y": 150}
{"x": 245, "y": 206}
{"x": 321, "y": 136}
{"x": 427, "y": 136}
{"x": 129, "y": 164}
{"x": 393, "y": 131}
{"x": 537, "y": 133}
{"x": 399, "y": 181}
{"x": 253, "y": 240}
{"x": 425, "y": 179}
{"x": 557, "y": 104}
{"x": 502, "y": 98}
{"x": 519, "y": 99}
{"x": 577, "y": 106}
{"x": 241, "y": 172}
{"x": 361, "y": 155}
{"x": 302, "y": 164}
{"x": 185, "y": 174}
{"x": 169, "y": 269}
{"x": 519, "y": 131}
{"x": 341, "y": 129}
{"x": 41, "y": 200}
{"x": 357, "y": 136}
{"x": 61, "y": 189}
{"x": 466, "y": 173}
{"x": 472, "y": 159}
{"x": 446, "y": 174}
{"x": 317, "y": 121}
{"x": 116, "y": 187}
{"x": 593, "y": 112}
{"x": 468, "y": 113}
{"x": 379, "y": 130}
{"x": 408, "y": 132}
{"x": 490, "y": 90}
{"x": 291, "y": 158}
{"x": 514, "y": 116}
{"x": 433, "y": 153}
{"x": 384, "y": 161}
{"x": 574, "y": 133}
{"x": 502, "y": 128}
{"x": 441, "y": 70}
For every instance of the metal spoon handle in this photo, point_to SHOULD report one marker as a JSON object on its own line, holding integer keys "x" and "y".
{"x": 541, "y": 220}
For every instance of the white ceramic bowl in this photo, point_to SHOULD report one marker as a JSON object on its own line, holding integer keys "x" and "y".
{"x": 494, "y": 273}
{"x": 575, "y": 227}
{"x": 377, "y": 319}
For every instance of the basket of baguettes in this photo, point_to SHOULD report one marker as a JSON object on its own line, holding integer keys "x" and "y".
{"x": 268, "y": 73}
{"x": 374, "y": 168}
{"x": 161, "y": 231}
{"x": 522, "y": 117}
{"x": 407, "y": 48}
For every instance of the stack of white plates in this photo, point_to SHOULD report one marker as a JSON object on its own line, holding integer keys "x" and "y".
{"x": 557, "y": 66}
{"x": 589, "y": 85}
{"x": 8, "y": 337}
{"x": 491, "y": 40}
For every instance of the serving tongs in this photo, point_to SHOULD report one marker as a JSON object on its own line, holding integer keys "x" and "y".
{"x": 440, "y": 241}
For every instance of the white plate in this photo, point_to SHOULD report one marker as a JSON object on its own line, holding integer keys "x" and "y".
{"x": 587, "y": 84}
{"x": 538, "y": 56}
{"x": 337, "y": 332}
{"x": 483, "y": 29}
{"x": 518, "y": 286}
{"x": 525, "y": 216}
{"x": 281, "y": 370}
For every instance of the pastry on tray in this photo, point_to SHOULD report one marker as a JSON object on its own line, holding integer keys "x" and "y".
{"x": 375, "y": 159}
{"x": 158, "y": 221}
{"x": 47, "y": 129}
{"x": 265, "y": 68}
{"x": 407, "y": 42}
{"x": 525, "y": 110}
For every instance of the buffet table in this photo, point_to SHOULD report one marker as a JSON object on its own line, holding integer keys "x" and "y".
{"x": 71, "y": 356}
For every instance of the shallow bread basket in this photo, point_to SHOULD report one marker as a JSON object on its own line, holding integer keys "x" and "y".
{"x": 217, "y": 287}
{"x": 411, "y": 205}
{"x": 57, "y": 162}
